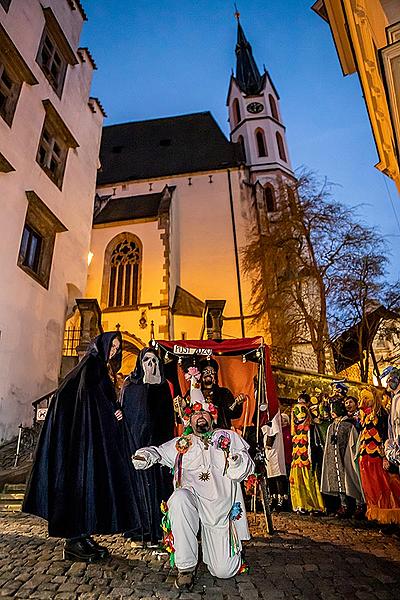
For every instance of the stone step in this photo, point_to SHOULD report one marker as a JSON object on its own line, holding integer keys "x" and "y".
{"x": 15, "y": 496}
{"x": 10, "y": 507}
{"x": 11, "y": 488}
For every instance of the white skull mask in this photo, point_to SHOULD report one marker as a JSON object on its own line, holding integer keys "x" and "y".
{"x": 151, "y": 369}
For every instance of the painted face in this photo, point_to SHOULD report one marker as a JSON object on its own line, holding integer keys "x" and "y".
{"x": 201, "y": 422}
{"x": 350, "y": 406}
{"x": 300, "y": 413}
{"x": 393, "y": 381}
{"x": 208, "y": 376}
{"x": 366, "y": 399}
{"x": 115, "y": 344}
{"x": 151, "y": 369}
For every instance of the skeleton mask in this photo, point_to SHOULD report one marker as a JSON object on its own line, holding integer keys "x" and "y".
{"x": 151, "y": 369}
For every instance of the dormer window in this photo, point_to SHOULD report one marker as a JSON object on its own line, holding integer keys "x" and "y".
{"x": 55, "y": 53}
{"x": 52, "y": 63}
{"x": 13, "y": 72}
{"x": 9, "y": 92}
{"x": 55, "y": 141}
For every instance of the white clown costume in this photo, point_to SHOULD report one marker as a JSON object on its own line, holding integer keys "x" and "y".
{"x": 208, "y": 470}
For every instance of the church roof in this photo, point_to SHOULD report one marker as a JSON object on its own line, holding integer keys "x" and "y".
{"x": 164, "y": 147}
{"x": 248, "y": 76}
{"x": 129, "y": 208}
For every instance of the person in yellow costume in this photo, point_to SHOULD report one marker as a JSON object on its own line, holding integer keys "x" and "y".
{"x": 304, "y": 485}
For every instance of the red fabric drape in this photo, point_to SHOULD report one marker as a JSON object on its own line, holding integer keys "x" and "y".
{"x": 233, "y": 373}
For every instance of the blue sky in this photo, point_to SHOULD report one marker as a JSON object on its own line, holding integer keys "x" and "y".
{"x": 167, "y": 57}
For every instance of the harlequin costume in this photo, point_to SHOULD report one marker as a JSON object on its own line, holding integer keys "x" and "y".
{"x": 208, "y": 470}
{"x": 381, "y": 488}
{"x": 304, "y": 487}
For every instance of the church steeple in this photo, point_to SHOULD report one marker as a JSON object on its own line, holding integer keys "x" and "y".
{"x": 248, "y": 76}
{"x": 255, "y": 119}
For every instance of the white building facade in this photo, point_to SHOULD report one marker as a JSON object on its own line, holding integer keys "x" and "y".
{"x": 50, "y": 130}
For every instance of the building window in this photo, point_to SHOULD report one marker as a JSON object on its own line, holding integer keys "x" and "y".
{"x": 54, "y": 53}
{"x": 9, "y": 92}
{"x": 261, "y": 145}
{"x": 241, "y": 142}
{"x": 13, "y": 72}
{"x": 5, "y": 4}
{"x": 55, "y": 141}
{"x": 124, "y": 273}
{"x": 51, "y": 62}
{"x": 236, "y": 112}
{"x": 273, "y": 107}
{"x": 29, "y": 253}
{"x": 269, "y": 194}
{"x": 52, "y": 154}
{"x": 281, "y": 147}
{"x": 38, "y": 238}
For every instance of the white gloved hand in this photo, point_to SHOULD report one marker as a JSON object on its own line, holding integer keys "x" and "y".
{"x": 143, "y": 459}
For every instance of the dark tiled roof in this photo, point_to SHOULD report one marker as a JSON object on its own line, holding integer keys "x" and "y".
{"x": 129, "y": 208}
{"x": 164, "y": 147}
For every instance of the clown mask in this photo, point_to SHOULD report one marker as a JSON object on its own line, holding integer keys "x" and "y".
{"x": 366, "y": 399}
{"x": 151, "y": 369}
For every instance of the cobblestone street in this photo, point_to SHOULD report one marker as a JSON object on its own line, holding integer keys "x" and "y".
{"x": 307, "y": 558}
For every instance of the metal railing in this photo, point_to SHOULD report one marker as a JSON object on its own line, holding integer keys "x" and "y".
{"x": 72, "y": 336}
{"x": 28, "y": 436}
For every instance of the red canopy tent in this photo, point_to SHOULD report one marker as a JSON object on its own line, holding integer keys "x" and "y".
{"x": 245, "y": 367}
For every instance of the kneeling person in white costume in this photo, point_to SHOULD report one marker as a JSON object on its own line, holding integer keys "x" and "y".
{"x": 208, "y": 468}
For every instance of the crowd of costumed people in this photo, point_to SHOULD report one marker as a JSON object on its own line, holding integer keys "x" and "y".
{"x": 123, "y": 455}
{"x": 338, "y": 453}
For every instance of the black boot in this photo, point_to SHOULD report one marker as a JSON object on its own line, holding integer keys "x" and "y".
{"x": 77, "y": 549}
{"x": 94, "y": 546}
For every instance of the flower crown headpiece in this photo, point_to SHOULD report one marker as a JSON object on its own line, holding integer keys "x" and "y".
{"x": 197, "y": 401}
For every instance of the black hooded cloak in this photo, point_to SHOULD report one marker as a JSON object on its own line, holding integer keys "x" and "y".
{"x": 149, "y": 413}
{"x": 82, "y": 481}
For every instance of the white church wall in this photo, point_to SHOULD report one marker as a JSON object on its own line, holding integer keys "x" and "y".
{"x": 31, "y": 316}
{"x": 151, "y": 280}
{"x": 202, "y": 257}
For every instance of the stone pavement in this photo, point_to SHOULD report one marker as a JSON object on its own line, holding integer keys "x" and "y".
{"x": 308, "y": 558}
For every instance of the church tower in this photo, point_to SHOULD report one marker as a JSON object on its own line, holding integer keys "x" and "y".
{"x": 256, "y": 122}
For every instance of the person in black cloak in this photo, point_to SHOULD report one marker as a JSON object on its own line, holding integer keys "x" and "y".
{"x": 81, "y": 480}
{"x": 228, "y": 407}
{"x": 149, "y": 414}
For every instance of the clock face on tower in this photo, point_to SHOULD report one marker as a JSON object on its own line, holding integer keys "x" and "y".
{"x": 255, "y": 107}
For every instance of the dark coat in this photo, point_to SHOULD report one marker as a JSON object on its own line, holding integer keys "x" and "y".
{"x": 149, "y": 414}
{"x": 223, "y": 398}
{"x": 82, "y": 480}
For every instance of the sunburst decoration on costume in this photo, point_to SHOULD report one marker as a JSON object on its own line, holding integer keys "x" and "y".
{"x": 204, "y": 476}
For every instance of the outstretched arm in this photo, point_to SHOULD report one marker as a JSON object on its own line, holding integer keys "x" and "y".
{"x": 147, "y": 457}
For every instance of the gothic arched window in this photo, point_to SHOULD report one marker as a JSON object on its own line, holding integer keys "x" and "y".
{"x": 273, "y": 107}
{"x": 124, "y": 258}
{"x": 269, "y": 194}
{"x": 241, "y": 142}
{"x": 281, "y": 147}
{"x": 236, "y": 111}
{"x": 261, "y": 145}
